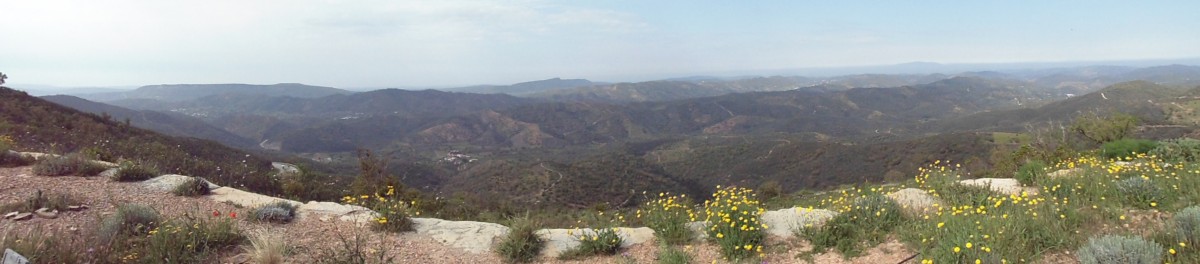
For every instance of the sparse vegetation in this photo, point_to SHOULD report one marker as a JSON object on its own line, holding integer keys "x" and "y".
{"x": 71, "y": 164}
{"x": 279, "y": 212}
{"x": 395, "y": 215}
{"x": 863, "y": 224}
{"x": 603, "y": 238}
{"x": 39, "y": 199}
{"x": 1141, "y": 192}
{"x": 192, "y": 187}
{"x": 668, "y": 254}
{"x": 9, "y": 158}
{"x": 189, "y": 240}
{"x": 131, "y": 172}
{"x": 129, "y": 220}
{"x": 40, "y": 246}
{"x": 733, "y": 223}
{"x": 266, "y": 247}
{"x": 522, "y": 244}
{"x": 1031, "y": 173}
{"x": 668, "y": 215}
{"x": 352, "y": 250}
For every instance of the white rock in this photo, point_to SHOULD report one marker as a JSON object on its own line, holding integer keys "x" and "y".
{"x": 699, "y": 229}
{"x": 327, "y": 210}
{"x": 561, "y": 240}
{"x": 1065, "y": 173}
{"x": 913, "y": 201}
{"x": 785, "y": 222}
{"x": 474, "y": 237}
{"x": 1007, "y": 186}
{"x": 110, "y": 173}
{"x": 166, "y": 183}
{"x": 244, "y": 198}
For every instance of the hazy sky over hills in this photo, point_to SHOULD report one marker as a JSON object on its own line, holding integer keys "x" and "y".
{"x": 451, "y": 42}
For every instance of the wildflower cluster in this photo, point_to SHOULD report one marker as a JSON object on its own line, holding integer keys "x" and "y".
{"x": 395, "y": 214}
{"x": 604, "y": 239}
{"x": 668, "y": 215}
{"x": 870, "y": 219}
{"x": 190, "y": 240}
{"x": 733, "y": 222}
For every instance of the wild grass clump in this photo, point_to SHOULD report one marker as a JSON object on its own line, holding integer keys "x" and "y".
{"x": 133, "y": 172}
{"x": 1140, "y": 192}
{"x": 266, "y": 247}
{"x": 1187, "y": 225}
{"x": 129, "y": 220}
{"x": 39, "y": 199}
{"x": 190, "y": 240}
{"x": 1128, "y": 147}
{"x": 9, "y": 158}
{"x": 668, "y": 215}
{"x": 279, "y": 212}
{"x": 668, "y": 254}
{"x": 40, "y": 246}
{"x": 1031, "y": 172}
{"x": 733, "y": 221}
{"x": 1178, "y": 150}
{"x": 596, "y": 242}
{"x": 1114, "y": 249}
{"x": 353, "y": 250}
{"x": 863, "y": 225}
{"x": 522, "y": 244}
{"x": 395, "y": 214}
{"x": 192, "y": 187}
{"x": 71, "y": 164}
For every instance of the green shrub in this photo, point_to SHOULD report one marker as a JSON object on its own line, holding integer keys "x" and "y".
{"x": 865, "y": 224}
{"x": 56, "y": 201}
{"x": 279, "y": 212}
{"x": 9, "y": 159}
{"x": 668, "y": 254}
{"x": 1187, "y": 225}
{"x": 522, "y": 244}
{"x": 1140, "y": 192}
{"x": 1127, "y": 148}
{"x": 1114, "y": 249}
{"x": 71, "y": 164}
{"x": 395, "y": 215}
{"x": 1178, "y": 150}
{"x": 131, "y": 172}
{"x": 601, "y": 241}
{"x": 38, "y": 246}
{"x": 192, "y": 187}
{"x": 668, "y": 215}
{"x": 190, "y": 240}
{"x": 1030, "y": 173}
{"x": 129, "y": 220}
{"x": 733, "y": 221}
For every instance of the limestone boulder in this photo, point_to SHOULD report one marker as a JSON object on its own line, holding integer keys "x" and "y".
{"x": 1006, "y": 186}
{"x": 785, "y": 222}
{"x": 244, "y": 198}
{"x": 913, "y": 201}
{"x": 166, "y": 183}
{"x": 474, "y": 237}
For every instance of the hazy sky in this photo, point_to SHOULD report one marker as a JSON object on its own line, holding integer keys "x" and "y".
{"x": 450, "y": 42}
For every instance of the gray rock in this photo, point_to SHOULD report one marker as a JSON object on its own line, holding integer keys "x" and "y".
{"x": 327, "y": 210}
{"x": 10, "y": 215}
{"x": 1006, "y": 186}
{"x": 913, "y": 201}
{"x": 166, "y": 183}
{"x": 46, "y": 213}
{"x": 244, "y": 198}
{"x": 699, "y": 229}
{"x": 11, "y": 257}
{"x": 474, "y": 237}
{"x": 785, "y": 222}
{"x": 22, "y": 217}
{"x": 76, "y": 208}
{"x": 561, "y": 240}
{"x": 110, "y": 173}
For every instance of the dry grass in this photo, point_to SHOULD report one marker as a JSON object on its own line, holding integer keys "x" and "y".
{"x": 266, "y": 247}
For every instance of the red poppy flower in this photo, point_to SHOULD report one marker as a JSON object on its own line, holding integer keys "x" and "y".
{"x": 232, "y": 214}
{"x": 216, "y": 213}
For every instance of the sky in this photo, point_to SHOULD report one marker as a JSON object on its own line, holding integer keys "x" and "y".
{"x": 443, "y": 43}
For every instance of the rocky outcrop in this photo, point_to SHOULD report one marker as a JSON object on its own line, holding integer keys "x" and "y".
{"x": 326, "y": 211}
{"x": 166, "y": 183}
{"x": 474, "y": 237}
{"x": 1006, "y": 186}
{"x": 561, "y": 240}
{"x": 785, "y": 222}
{"x": 244, "y": 198}
{"x": 913, "y": 201}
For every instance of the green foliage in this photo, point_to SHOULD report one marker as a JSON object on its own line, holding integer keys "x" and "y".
{"x": 668, "y": 254}
{"x": 72, "y": 164}
{"x": 733, "y": 223}
{"x": 1100, "y": 129}
{"x": 522, "y": 244}
{"x": 395, "y": 214}
{"x": 38, "y": 246}
{"x": 1178, "y": 150}
{"x": 9, "y": 158}
{"x": 601, "y": 241}
{"x": 189, "y": 240}
{"x": 864, "y": 225}
{"x": 56, "y": 201}
{"x": 1187, "y": 225}
{"x": 279, "y": 212}
{"x": 1114, "y": 249}
{"x": 307, "y": 185}
{"x": 129, "y": 220}
{"x": 1141, "y": 192}
{"x": 192, "y": 187}
{"x": 1032, "y": 172}
{"x": 770, "y": 189}
{"x": 668, "y": 215}
{"x": 1127, "y": 148}
{"x": 132, "y": 172}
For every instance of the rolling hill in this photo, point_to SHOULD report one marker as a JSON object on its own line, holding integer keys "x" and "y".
{"x": 183, "y": 92}
{"x": 165, "y": 123}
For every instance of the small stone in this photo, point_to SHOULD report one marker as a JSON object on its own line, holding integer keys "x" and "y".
{"x": 76, "y": 208}
{"x": 73, "y": 229}
{"x": 46, "y": 213}
{"x": 11, "y": 215}
{"x": 22, "y": 217}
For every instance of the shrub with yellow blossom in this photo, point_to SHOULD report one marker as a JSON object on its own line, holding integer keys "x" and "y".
{"x": 603, "y": 239}
{"x": 395, "y": 214}
{"x": 865, "y": 223}
{"x": 733, "y": 222}
{"x": 668, "y": 215}
{"x": 190, "y": 240}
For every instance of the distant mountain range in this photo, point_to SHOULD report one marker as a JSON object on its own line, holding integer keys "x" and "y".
{"x": 525, "y": 87}
{"x": 162, "y": 122}
{"x": 183, "y": 92}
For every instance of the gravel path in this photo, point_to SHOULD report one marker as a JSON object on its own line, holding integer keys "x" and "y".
{"x": 310, "y": 235}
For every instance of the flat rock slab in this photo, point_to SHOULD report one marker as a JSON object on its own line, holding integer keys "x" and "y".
{"x": 327, "y": 210}
{"x": 244, "y": 198}
{"x": 785, "y": 222}
{"x": 166, "y": 183}
{"x": 11, "y": 257}
{"x": 22, "y": 216}
{"x": 561, "y": 240}
{"x": 474, "y": 237}
{"x": 46, "y": 213}
{"x": 913, "y": 201}
{"x": 1065, "y": 173}
{"x": 1007, "y": 186}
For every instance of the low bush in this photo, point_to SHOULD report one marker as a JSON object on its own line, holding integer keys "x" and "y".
{"x": 522, "y": 244}
{"x": 668, "y": 254}
{"x": 1031, "y": 172}
{"x": 1178, "y": 150}
{"x": 1123, "y": 148}
{"x": 353, "y": 250}
{"x": 266, "y": 247}
{"x": 39, "y": 199}
{"x": 600, "y": 241}
{"x": 129, "y": 220}
{"x": 1187, "y": 225}
{"x": 190, "y": 240}
{"x": 1140, "y": 192}
{"x": 39, "y": 246}
{"x": 395, "y": 215}
{"x": 9, "y": 159}
{"x": 192, "y": 187}
{"x": 865, "y": 224}
{"x": 1114, "y": 249}
{"x": 279, "y": 212}
{"x": 71, "y": 164}
{"x": 668, "y": 215}
{"x": 132, "y": 172}
{"x": 733, "y": 221}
